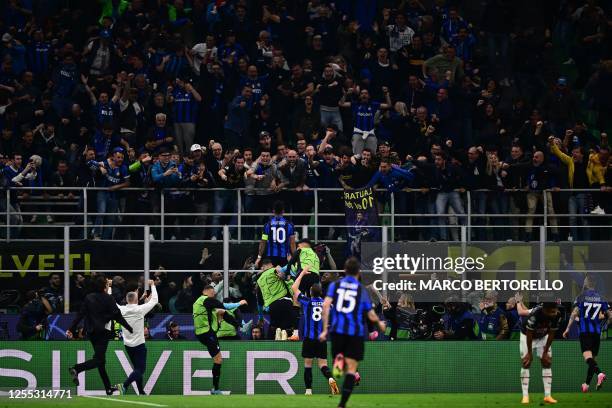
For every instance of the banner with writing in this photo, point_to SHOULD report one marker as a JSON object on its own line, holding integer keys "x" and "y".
{"x": 361, "y": 219}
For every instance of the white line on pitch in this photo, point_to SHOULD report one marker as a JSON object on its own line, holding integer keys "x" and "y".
{"x": 150, "y": 404}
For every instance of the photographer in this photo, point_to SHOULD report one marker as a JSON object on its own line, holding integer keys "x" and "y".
{"x": 493, "y": 320}
{"x": 459, "y": 323}
{"x": 33, "y": 320}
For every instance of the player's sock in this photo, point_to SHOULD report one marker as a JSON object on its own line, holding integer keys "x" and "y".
{"x": 347, "y": 389}
{"x": 525, "y": 381}
{"x": 216, "y": 372}
{"x": 308, "y": 377}
{"x": 593, "y": 369}
{"x": 589, "y": 375}
{"x": 547, "y": 380}
{"x": 326, "y": 372}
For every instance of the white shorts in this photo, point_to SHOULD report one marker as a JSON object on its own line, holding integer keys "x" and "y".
{"x": 537, "y": 346}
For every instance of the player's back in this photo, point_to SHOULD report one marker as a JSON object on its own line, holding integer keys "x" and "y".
{"x": 278, "y": 232}
{"x": 313, "y": 316}
{"x": 590, "y": 305}
{"x": 351, "y": 303}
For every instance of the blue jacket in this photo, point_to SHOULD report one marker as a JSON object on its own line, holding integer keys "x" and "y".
{"x": 393, "y": 181}
{"x": 157, "y": 174}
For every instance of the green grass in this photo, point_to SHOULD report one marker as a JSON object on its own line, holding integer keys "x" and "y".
{"x": 574, "y": 400}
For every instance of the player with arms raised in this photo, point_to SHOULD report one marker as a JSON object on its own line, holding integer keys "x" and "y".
{"x": 348, "y": 324}
{"x": 207, "y": 313}
{"x": 278, "y": 238}
{"x": 537, "y": 334}
{"x": 312, "y": 348}
{"x": 589, "y": 309}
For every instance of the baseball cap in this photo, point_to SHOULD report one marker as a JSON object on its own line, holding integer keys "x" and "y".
{"x": 385, "y": 143}
{"x": 562, "y": 81}
{"x": 6, "y": 37}
{"x": 328, "y": 149}
{"x": 195, "y": 147}
{"x": 118, "y": 150}
{"x": 263, "y": 134}
{"x": 105, "y": 34}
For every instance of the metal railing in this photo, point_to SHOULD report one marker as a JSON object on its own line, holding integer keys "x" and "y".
{"x": 82, "y": 199}
{"x": 541, "y": 244}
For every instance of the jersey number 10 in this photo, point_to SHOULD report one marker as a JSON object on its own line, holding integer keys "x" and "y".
{"x": 279, "y": 234}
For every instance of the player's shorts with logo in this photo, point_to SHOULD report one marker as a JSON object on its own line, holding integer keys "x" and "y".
{"x": 537, "y": 346}
{"x": 313, "y": 348}
{"x": 211, "y": 342}
{"x": 350, "y": 346}
{"x": 590, "y": 342}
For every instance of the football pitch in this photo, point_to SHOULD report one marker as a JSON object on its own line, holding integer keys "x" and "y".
{"x": 576, "y": 400}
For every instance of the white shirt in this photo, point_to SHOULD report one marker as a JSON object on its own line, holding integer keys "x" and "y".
{"x": 201, "y": 50}
{"x": 134, "y": 314}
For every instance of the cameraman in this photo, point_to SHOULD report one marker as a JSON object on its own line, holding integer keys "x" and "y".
{"x": 33, "y": 320}
{"x": 459, "y": 323}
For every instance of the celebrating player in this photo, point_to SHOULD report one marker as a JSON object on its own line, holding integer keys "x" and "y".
{"x": 305, "y": 258}
{"x": 278, "y": 238}
{"x": 135, "y": 342}
{"x": 312, "y": 326}
{"x": 589, "y": 310}
{"x": 348, "y": 326}
{"x": 207, "y": 312}
{"x": 537, "y": 332}
{"x": 274, "y": 293}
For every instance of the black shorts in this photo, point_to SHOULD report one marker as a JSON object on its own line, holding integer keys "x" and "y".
{"x": 278, "y": 260}
{"x": 308, "y": 281}
{"x": 282, "y": 314}
{"x": 350, "y": 346}
{"x": 211, "y": 342}
{"x": 314, "y": 349}
{"x": 590, "y": 342}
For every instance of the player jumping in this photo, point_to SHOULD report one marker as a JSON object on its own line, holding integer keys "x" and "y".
{"x": 312, "y": 326}
{"x": 348, "y": 326}
{"x": 537, "y": 332}
{"x": 589, "y": 310}
{"x": 207, "y": 311}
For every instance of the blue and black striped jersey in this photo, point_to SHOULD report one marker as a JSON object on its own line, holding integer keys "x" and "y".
{"x": 278, "y": 232}
{"x": 590, "y": 305}
{"x": 313, "y": 316}
{"x": 351, "y": 303}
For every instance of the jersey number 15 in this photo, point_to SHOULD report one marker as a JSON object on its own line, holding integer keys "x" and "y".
{"x": 347, "y": 300}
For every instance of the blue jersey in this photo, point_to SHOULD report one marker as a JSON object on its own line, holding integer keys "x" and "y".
{"x": 114, "y": 176}
{"x": 184, "y": 106}
{"x": 38, "y": 57}
{"x": 258, "y": 85}
{"x": 363, "y": 115}
{"x": 351, "y": 303}
{"x": 104, "y": 145}
{"x": 590, "y": 304}
{"x": 313, "y": 316}
{"x": 106, "y": 112}
{"x": 277, "y": 232}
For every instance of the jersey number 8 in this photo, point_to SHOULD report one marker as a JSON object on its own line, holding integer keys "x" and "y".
{"x": 317, "y": 313}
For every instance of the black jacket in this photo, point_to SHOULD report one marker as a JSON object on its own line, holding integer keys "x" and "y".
{"x": 98, "y": 309}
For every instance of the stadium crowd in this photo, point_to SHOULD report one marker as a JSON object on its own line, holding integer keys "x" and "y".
{"x": 283, "y": 96}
